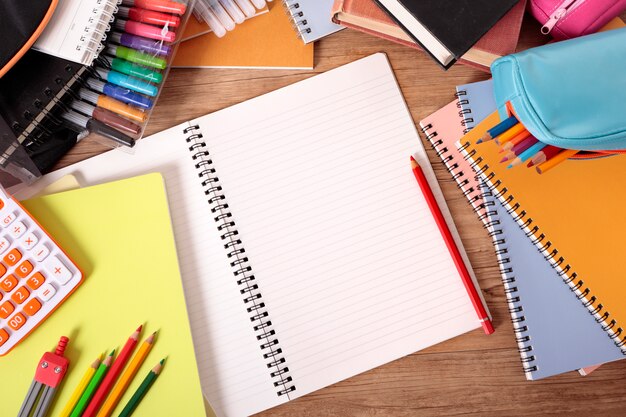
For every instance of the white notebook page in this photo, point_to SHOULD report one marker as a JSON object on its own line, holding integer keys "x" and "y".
{"x": 348, "y": 259}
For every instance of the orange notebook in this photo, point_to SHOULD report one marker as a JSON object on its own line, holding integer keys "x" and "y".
{"x": 574, "y": 215}
{"x": 267, "y": 41}
{"x": 196, "y": 28}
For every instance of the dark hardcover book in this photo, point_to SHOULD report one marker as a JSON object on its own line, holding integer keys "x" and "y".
{"x": 446, "y": 29}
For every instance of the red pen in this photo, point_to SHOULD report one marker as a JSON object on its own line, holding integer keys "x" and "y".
{"x": 451, "y": 245}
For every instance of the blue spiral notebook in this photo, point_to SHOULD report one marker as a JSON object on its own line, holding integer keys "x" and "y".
{"x": 555, "y": 333}
{"x": 311, "y": 18}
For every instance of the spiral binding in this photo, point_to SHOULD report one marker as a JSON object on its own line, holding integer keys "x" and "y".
{"x": 296, "y": 15}
{"x": 516, "y": 310}
{"x": 544, "y": 246}
{"x": 465, "y": 120}
{"x": 474, "y": 196}
{"x": 99, "y": 24}
{"x": 242, "y": 271}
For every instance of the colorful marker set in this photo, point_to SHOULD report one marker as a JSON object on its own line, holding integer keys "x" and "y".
{"x": 125, "y": 79}
{"x": 519, "y": 146}
{"x": 223, "y": 15}
{"x": 101, "y": 388}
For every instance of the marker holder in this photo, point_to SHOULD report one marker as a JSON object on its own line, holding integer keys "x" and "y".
{"x": 124, "y": 84}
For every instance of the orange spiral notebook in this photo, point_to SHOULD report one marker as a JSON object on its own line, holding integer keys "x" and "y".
{"x": 267, "y": 41}
{"x": 574, "y": 215}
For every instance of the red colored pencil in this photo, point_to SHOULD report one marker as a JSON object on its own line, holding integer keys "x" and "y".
{"x": 112, "y": 375}
{"x": 454, "y": 251}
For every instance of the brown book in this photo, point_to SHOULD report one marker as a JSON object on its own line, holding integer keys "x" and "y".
{"x": 366, "y": 16}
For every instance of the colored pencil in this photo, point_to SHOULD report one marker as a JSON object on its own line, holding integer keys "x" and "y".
{"x": 481, "y": 311}
{"x": 126, "y": 378}
{"x": 514, "y": 141}
{"x": 498, "y": 129}
{"x": 142, "y": 390}
{"x": 527, "y": 154}
{"x": 555, "y": 160}
{"x": 113, "y": 374}
{"x": 80, "y": 388}
{"x": 93, "y": 385}
{"x": 510, "y": 134}
{"x": 543, "y": 155}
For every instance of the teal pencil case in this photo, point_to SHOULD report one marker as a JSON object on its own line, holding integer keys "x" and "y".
{"x": 569, "y": 94}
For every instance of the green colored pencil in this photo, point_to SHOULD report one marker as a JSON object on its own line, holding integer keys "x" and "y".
{"x": 142, "y": 390}
{"x": 93, "y": 386}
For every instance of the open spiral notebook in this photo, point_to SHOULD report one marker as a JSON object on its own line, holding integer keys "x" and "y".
{"x": 307, "y": 251}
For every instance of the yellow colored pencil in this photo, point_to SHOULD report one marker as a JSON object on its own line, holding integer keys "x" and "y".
{"x": 80, "y": 388}
{"x": 510, "y": 134}
{"x": 126, "y": 378}
{"x": 555, "y": 160}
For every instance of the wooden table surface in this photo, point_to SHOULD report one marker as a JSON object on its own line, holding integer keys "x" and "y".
{"x": 472, "y": 373}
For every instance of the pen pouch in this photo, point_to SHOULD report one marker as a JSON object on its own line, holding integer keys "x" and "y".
{"x": 565, "y": 19}
{"x": 569, "y": 94}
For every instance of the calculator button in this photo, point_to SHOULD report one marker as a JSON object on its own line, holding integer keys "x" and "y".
{"x": 17, "y": 321}
{"x": 30, "y": 240}
{"x": 4, "y": 245}
{"x": 41, "y": 252}
{"x": 24, "y": 269}
{"x": 58, "y": 270}
{"x": 13, "y": 257}
{"x": 3, "y": 270}
{"x": 8, "y": 283}
{"x": 8, "y": 219}
{"x": 4, "y": 336}
{"x": 46, "y": 292}
{"x": 20, "y": 295}
{"x": 36, "y": 280}
{"x": 1, "y": 204}
{"x": 6, "y": 309}
{"x": 18, "y": 229}
{"x": 32, "y": 307}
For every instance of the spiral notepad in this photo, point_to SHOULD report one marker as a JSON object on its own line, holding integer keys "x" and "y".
{"x": 311, "y": 18}
{"x": 307, "y": 251}
{"x": 77, "y": 29}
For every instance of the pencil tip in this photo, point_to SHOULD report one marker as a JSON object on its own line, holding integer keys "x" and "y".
{"x": 479, "y": 141}
{"x": 140, "y": 328}
{"x": 112, "y": 352}
{"x": 162, "y": 361}
{"x": 510, "y": 166}
{"x": 504, "y": 159}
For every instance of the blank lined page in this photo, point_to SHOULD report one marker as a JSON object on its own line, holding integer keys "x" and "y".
{"x": 351, "y": 265}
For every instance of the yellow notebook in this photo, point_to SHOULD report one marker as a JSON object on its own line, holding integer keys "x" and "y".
{"x": 574, "y": 214}
{"x": 267, "y": 41}
{"x": 120, "y": 234}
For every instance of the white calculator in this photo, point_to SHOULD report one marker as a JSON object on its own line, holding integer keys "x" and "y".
{"x": 36, "y": 276}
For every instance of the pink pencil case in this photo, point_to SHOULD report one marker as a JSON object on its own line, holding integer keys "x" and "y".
{"x": 565, "y": 19}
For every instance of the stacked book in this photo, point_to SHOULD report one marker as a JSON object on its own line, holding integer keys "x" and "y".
{"x": 471, "y": 32}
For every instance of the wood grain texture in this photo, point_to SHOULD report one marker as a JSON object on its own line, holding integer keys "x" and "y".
{"x": 471, "y": 374}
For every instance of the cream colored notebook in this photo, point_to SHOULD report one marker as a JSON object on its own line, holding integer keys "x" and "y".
{"x": 307, "y": 251}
